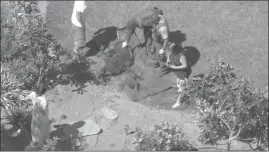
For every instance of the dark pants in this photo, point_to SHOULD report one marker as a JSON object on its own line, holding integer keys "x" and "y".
{"x": 148, "y": 39}
{"x": 158, "y": 44}
{"x": 130, "y": 29}
{"x": 132, "y": 24}
{"x": 79, "y": 36}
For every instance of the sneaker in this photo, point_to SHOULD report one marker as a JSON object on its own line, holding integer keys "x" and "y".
{"x": 176, "y": 105}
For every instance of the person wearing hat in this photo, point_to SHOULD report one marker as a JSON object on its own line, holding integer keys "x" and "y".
{"x": 78, "y": 25}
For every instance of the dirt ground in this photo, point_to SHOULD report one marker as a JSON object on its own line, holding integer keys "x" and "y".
{"x": 235, "y": 31}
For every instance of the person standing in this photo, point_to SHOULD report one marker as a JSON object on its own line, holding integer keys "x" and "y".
{"x": 161, "y": 41}
{"x": 40, "y": 125}
{"x": 177, "y": 63}
{"x": 78, "y": 25}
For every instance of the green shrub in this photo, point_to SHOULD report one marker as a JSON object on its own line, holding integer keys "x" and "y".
{"x": 50, "y": 144}
{"x": 26, "y": 44}
{"x": 229, "y": 108}
{"x": 164, "y": 137}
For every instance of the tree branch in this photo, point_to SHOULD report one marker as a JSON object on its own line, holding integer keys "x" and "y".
{"x": 225, "y": 123}
{"x": 236, "y": 134}
{"x": 251, "y": 147}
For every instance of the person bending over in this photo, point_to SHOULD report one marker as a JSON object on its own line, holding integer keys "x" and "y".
{"x": 145, "y": 20}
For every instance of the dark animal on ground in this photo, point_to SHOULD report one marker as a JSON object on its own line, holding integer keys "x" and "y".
{"x": 131, "y": 80}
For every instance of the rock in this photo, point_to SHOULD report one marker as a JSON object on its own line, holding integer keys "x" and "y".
{"x": 89, "y": 128}
{"x": 106, "y": 123}
{"x": 109, "y": 113}
{"x": 132, "y": 130}
{"x": 90, "y": 141}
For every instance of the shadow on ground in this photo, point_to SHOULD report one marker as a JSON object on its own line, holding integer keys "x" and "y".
{"x": 101, "y": 40}
{"x": 77, "y": 74}
{"x": 65, "y": 132}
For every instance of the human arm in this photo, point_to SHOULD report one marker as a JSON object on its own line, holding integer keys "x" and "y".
{"x": 165, "y": 43}
{"x": 164, "y": 33}
{"x": 168, "y": 59}
{"x": 183, "y": 65}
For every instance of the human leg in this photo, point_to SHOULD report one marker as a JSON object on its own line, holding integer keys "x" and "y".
{"x": 161, "y": 58}
{"x": 181, "y": 84}
{"x": 129, "y": 30}
{"x": 79, "y": 38}
{"x": 148, "y": 40}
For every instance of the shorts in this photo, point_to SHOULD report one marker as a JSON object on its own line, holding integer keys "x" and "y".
{"x": 79, "y": 35}
{"x": 182, "y": 74}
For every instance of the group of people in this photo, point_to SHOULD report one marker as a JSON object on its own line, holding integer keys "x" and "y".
{"x": 168, "y": 56}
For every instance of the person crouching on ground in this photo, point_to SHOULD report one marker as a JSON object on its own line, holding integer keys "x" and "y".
{"x": 177, "y": 63}
{"x": 161, "y": 41}
{"x": 145, "y": 20}
{"x": 78, "y": 25}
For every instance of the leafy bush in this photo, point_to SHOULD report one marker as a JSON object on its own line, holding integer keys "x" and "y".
{"x": 164, "y": 137}
{"x": 229, "y": 108}
{"x": 27, "y": 48}
{"x": 50, "y": 144}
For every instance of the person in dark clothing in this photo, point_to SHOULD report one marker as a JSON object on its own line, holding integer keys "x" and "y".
{"x": 177, "y": 63}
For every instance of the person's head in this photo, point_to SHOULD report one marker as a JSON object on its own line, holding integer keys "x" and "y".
{"x": 175, "y": 48}
{"x": 159, "y": 11}
{"x": 172, "y": 46}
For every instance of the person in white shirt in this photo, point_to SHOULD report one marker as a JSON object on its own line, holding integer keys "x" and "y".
{"x": 40, "y": 125}
{"x": 78, "y": 25}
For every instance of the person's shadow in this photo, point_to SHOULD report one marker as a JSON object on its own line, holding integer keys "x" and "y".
{"x": 101, "y": 40}
{"x": 65, "y": 132}
{"x": 192, "y": 54}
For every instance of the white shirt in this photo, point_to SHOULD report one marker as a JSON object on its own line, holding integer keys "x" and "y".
{"x": 40, "y": 127}
{"x": 79, "y": 6}
{"x": 163, "y": 30}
